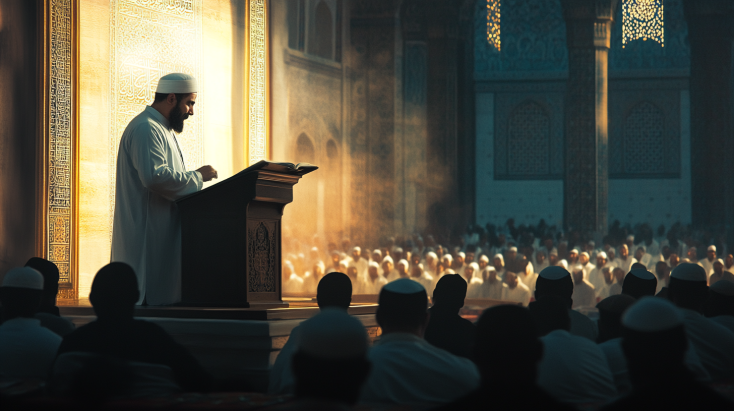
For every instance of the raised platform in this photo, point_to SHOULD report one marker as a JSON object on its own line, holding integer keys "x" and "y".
{"x": 237, "y": 345}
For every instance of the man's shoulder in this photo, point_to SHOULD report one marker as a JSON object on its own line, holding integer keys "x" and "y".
{"x": 142, "y": 124}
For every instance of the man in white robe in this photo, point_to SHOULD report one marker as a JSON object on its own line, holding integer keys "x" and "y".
{"x": 708, "y": 262}
{"x": 515, "y": 291}
{"x": 499, "y": 265}
{"x": 374, "y": 282}
{"x": 584, "y": 294}
{"x": 492, "y": 286}
{"x": 151, "y": 176}
{"x": 625, "y": 260}
{"x": 585, "y": 261}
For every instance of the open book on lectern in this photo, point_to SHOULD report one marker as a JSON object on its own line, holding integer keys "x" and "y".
{"x": 288, "y": 168}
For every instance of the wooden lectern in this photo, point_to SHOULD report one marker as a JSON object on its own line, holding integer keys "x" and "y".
{"x": 230, "y": 238}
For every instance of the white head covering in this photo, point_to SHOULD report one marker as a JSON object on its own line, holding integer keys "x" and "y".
{"x": 712, "y": 248}
{"x": 563, "y": 263}
{"x": 357, "y": 249}
{"x": 388, "y": 258}
{"x": 431, "y": 254}
{"x": 23, "y": 277}
{"x": 513, "y": 249}
{"x": 404, "y": 262}
{"x": 447, "y": 257}
{"x": 374, "y": 264}
{"x": 498, "y": 255}
{"x": 601, "y": 254}
{"x": 652, "y": 314}
{"x": 586, "y": 254}
{"x": 178, "y": 83}
{"x": 630, "y": 238}
{"x": 575, "y": 250}
{"x": 484, "y": 258}
{"x": 333, "y": 334}
{"x": 475, "y": 267}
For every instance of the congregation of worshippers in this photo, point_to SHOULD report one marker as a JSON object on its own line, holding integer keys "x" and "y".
{"x": 662, "y": 336}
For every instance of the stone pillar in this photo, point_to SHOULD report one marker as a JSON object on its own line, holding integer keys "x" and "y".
{"x": 588, "y": 30}
{"x": 710, "y": 30}
{"x": 375, "y": 73}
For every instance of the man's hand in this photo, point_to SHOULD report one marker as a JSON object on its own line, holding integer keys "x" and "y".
{"x": 208, "y": 173}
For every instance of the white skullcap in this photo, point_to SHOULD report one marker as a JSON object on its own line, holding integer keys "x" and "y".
{"x": 474, "y": 266}
{"x": 357, "y": 249}
{"x": 388, "y": 258}
{"x": 484, "y": 258}
{"x": 578, "y": 267}
{"x": 23, "y": 277}
{"x": 601, "y": 254}
{"x": 563, "y": 263}
{"x": 374, "y": 264}
{"x": 723, "y": 287}
{"x": 499, "y": 256}
{"x": 431, "y": 254}
{"x": 377, "y": 251}
{"x": 575, "y": 250}
{"x": 461, "y": 254}
{"x": 489, "y": 268}
{"x": 652, "y": 314}
{"x": 178, "y": 83}
{"x": 630, "y": 238}
{"x": 720, "y": 261}
{"x": 333, "y": 334}
{"x": 404, "y": 286}
{"x": 712, "y": 248}
{"x": 314, "y": 249}
{"x": 447, "y": 257}
{"x": 554, "y": 272}
{"x": 586, "y": 254}
{"x": 513, "y": 249}
{"x": 404, "y": 262}
{"x": 449, "y": 271}
{"x": 689, "y": 272}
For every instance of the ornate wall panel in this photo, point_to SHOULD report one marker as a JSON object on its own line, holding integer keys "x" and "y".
{"x": 258, "y": 86}
{"x": 261, "y": 259}
{"x": 61, "y": 145}
{"x": 148, "y": 40}
{"x": 529, "y": 136}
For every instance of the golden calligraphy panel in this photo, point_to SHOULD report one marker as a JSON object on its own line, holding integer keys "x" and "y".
{"x": 258, "y": 89}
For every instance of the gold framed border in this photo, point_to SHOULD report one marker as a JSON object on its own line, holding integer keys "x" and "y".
{"x": 46, "y": 158}
{"x": 254, "y": 86}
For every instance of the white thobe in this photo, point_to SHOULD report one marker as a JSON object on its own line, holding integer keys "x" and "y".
{"x": 519, "y": 294}
{"x": 574, "y": 370}
{"x": 707, "y": 265}
{"x": 474, "y": 288}
{"x": 374, "y": 287}
{"x": 596, "y": 278}
{"x": 625, "y": 265}
{"x": 584, "y": 295}
{"x": 426, "y": 281}
{"x": 407, "y": 370}
{"x": 712, "y": 342}
{"x": 588, "y": 268}
{"x": 494, "y": 290}
{"x": 146, "y": 232}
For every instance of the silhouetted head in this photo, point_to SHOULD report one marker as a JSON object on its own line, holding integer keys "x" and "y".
{"x": 554, "y": 281}
{"x": 450, "y": 293}
{"x": 334, "y": 290}
{"x": 403, "y": 307}
{"x": 688, "y": 287}
{"x": 508, "y": 330}
{"x": 50, "y": 273}
{"x": 550, "y": 314}
{"x": 720, "y": 300}
{"x": 115, "y": 291}
{"x": 639, "y": 283}
{"x": 654, "y": 341}
{"x": 331, "y": 362}
{"x": 610, "y": 315}
{"x": 638, "y": 266}
{"x": 21, "y": 292}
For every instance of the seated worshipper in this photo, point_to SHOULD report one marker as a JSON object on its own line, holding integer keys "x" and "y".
{"x": 596, "y": 277}
{"x": 499, "y": 265}
{"x": 719, "y": 274}
{"x": 719, "y": 305}
{"x": 49, "y": 312}
{"x": 659, "y": 376}
{"x": 556, "y": 282}
{"x": 27, "y": 350}
{"x": 610, "y": 342}
{"x": 419, "y": 275}
{"x": 431, "y": 266}
{"x": 388, "y": 270}
{"x": 608, "y": 283}
{"x": 354, "y": 278}
{"x": 713, "y": 342}
{"x": 375, "y": 281}
{"x": 507, "y": 353}
{"x": 312, "y": 279}
{"x": 492, "y": 286}
{"x": 662, "y": 272}
{"x": 483, "y": 261}
{"x": 359, "y": 262}
{"x": 540, "y": 261}
{"x": 515, "y": 291}
{"x": 639, "y": 283}
{"x": 293, "y": 282}
{"x": 446, "y": 329}
{"x": 330, "y": 364}
{"x": 619, "y": 276}
{"x": 115, "y": 333}
{"x": 584, "y": 260}
{"x": 474, "y": 280}
{"x": 334, "y": 292}
{"x": 407, "y": 370}
{"x": 459, "y": 263}
{"x": 336, "y": 259}
{"x": 573, "y": 369}
{"x": 402, "y": 269}
{"x": 625, "y": 260}
{"x": 584, "y": 294}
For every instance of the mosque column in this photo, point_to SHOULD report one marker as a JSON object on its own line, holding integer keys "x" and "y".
{"x": 710, "y": 32}
{"x": 588, "y": 31}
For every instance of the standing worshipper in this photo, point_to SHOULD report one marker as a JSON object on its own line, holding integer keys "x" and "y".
{"x": 708, "y": 262}
{"x": 374, "y": 282}
{"x": 499, "y": 265}
{"x": 660, "y": 379}
{"x": 606, "y": 290}
{"x": 406, "y": 369}
{"x": 151, "y": 176}
{"x": 584, "y": 294}
{"x": 359, "y": 262}
{"x": 719, "y": 274}
{"x": 596, "y": 277}
{"x": 625, "y": 261}
{"x": 388, "y": 270}
{"x": 540, "y": 261}
{"x": 729, "y": 263}
{"x": 585, "y": 262}
{"x": 446, "y": 328}
{"x": 516, "y": 291}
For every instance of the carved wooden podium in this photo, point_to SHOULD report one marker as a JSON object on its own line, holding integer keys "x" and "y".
{"x": 230, "y": 238}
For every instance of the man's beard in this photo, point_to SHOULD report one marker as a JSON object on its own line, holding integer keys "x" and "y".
{"x": 176, "y": 119}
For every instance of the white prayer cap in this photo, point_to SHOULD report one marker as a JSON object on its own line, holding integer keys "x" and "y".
{"x": 461, "y": 254}
{"x": 333, "y": 334}
{"x": 712, "y": 248}
{"x": 344, "y": 263}
{"x": 575, "y": 250}
{"x": 474, "y": 266}
{"x": 586, "y": 254}
{"x": 377, "y": 251}
{"x": 563, "y": 263}
{"x": 449, "y": 271}
{"x": 179, "y": 83}
{"x": 723, "y": 287}
{"x": 578, "y": 267}
{"x": 651, "y": 314}
{"x": 484, "y": 258}
{"x": 357, "y": 249}
{"x": 630, "y": 238}
{"x": 513, "y": 249}
{"x": 491, "y": 268}
{"x": 554, "y": 272}
{"x": 404, "y": 262}
{"x": 374, "y": 264}
{"x": 689, "y": 272}
{"x": 388, "y": 259}
{"x": 447, "y": 257}
{"x": 720, "y": 261}
{"x": 432, "y": 255}
{"x": 23, "y": 277}
{"x": 314, "y": 249}
{"x": 602, "y": 254}
{"x": 498, "y": 255}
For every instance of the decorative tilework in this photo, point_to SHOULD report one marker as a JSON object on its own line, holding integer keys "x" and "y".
{"x": 257, "y": 88}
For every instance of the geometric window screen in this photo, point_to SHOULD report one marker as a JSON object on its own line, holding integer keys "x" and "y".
{"x": 644, "y": 140}
{"x": 493, "y": 23}
{"x": 642, "y": 19}
{"x": 528, "y": 142}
